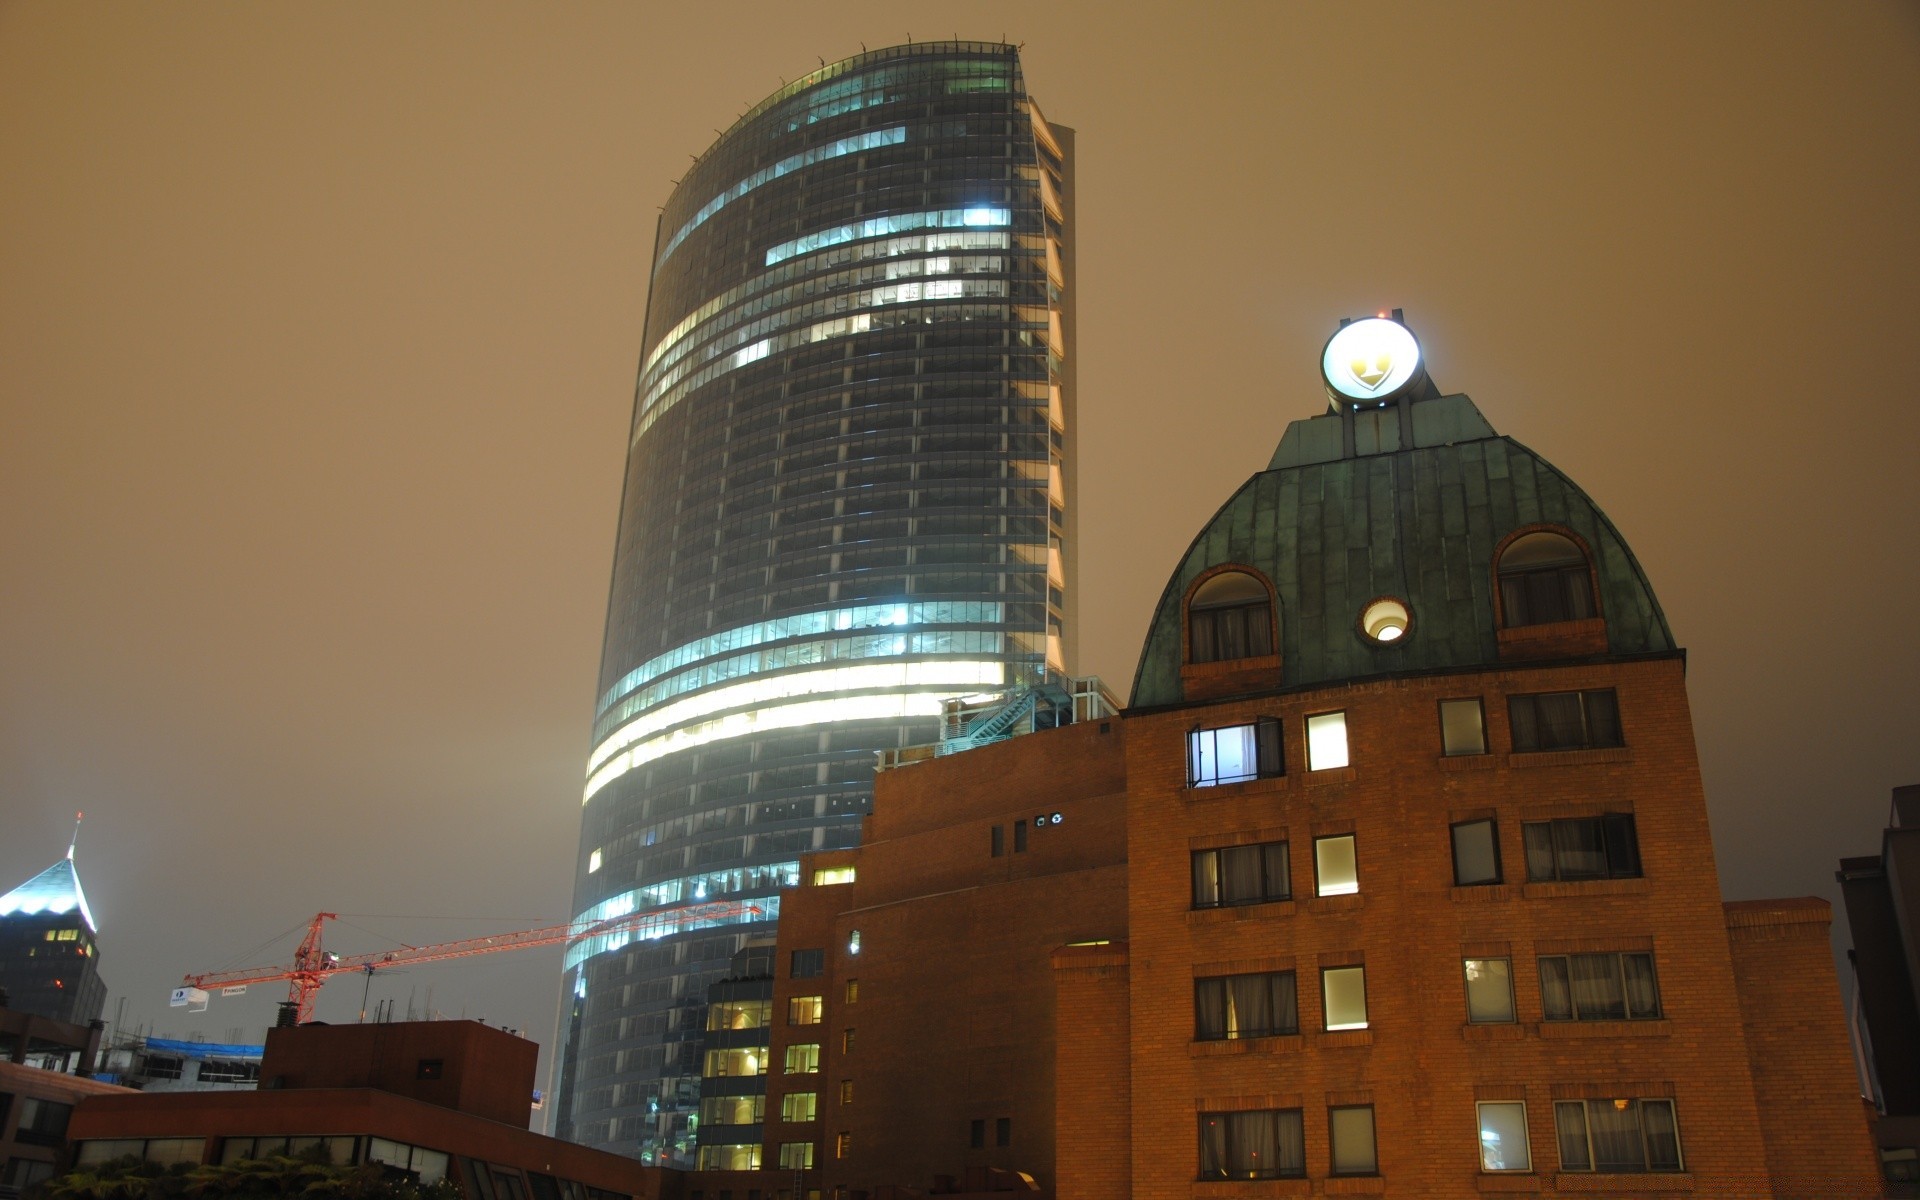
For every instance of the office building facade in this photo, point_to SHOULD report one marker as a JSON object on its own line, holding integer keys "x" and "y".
{"x": 49, "y": 955}
{"x": 846, "y": 501}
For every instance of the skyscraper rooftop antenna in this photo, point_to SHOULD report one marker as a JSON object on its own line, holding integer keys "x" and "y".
{"x": 75, "y": 840}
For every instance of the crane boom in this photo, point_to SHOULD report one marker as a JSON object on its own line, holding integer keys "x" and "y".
{"x": 313, "y": 966}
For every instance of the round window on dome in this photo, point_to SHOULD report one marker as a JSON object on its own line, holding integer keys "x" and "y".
{"x": 1385, "y": 620}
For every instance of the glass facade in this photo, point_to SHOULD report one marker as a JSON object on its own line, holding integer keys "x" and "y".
{"x": 846, "y": 502}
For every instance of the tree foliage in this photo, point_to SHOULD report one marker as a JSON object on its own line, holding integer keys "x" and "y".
{"x": 276, "y": 1178}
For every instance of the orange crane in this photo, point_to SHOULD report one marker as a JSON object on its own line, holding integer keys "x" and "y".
{"x": 313, "y": 966}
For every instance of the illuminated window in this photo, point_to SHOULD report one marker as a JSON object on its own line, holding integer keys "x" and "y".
{"x": 593, "y": 862}
{"x": 1344, "y": 992}
{"x": 799, "y": 1106}
{"x": 846, "y": 1091}
{"x": 1336, "y": 866}
{"x": 740, "y": 1014}
{"x": 828, "y": 876}
{"x": 842, "y": 1144}
{"x": 853, "y": 941}
{"x": 1476, "y": 853}
{"x": 1564, "y": 720}
{"x": 1231, "y": 875}
{"x": 853, "y": 990}
{"x": 1463, "y": 727}
{"x": 1326, "y": 741}
{"x": 1602, "y": 847}
{"x": 805, "y": 1010}
{"x": 1623, "y": 1137}
{"x": 1489, "y": 991}
{"x": 1252, "y": 1144}
{"x": 1229, "y": 617}
{"x": 1350, "y": 1129}
{"x": 1598, "y": 987}
{"x": 1544, "y": 578}
{"x": 1503, "y": 1136}
{"x": 747, "y": 1060}
{"x": 846, "y": 1041}
{"x": 796, "y": 1156}
{"x": 1229, "y": 1007}
{"x": 803, "y": 1058}
{"x": 1385, "y": 620}
{"x": 1234, "y": 754}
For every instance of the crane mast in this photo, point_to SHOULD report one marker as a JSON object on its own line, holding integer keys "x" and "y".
{"x": 312, "y": 965}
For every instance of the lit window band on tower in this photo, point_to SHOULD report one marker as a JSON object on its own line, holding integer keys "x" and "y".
{"x": 847, "y": 501}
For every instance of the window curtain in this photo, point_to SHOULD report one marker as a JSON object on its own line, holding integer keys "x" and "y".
{"x": 1240, "y": 874}
{"x": 1580, "y": 849}
{"x": 1249, "y": 1006}
{"x": 1561, "y": 725}
{"x": 1615, "y": 1134}
{"x": 1597, "y": 994}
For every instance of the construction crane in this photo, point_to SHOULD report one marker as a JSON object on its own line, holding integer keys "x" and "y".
{"x": 313, "y": 965}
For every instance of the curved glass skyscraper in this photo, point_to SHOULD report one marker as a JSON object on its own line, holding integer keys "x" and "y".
{"x": 846, "y": 501}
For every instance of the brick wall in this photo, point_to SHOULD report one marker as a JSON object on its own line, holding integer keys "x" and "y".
{"x": 1811, "y": 1112}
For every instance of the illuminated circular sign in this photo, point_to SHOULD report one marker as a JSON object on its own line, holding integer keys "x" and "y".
{"x": 1370, "y": 359}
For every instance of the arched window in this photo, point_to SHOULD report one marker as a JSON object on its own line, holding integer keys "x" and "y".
{"x": 1231, "y": 616}
{"x": 1544, "y": 578}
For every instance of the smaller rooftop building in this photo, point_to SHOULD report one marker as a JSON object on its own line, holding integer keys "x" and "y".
{"x": 1882, "y": 897}
{"x": 433, "y": 1099}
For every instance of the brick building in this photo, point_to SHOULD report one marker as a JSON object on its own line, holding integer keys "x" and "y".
{"x": 1395, "y": 878}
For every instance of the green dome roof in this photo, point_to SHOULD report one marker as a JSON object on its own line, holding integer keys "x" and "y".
{"x": 1410, "y": 508}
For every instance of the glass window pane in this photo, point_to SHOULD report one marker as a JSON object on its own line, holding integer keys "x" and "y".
{"x": 1503, "y": 1137}
{"x": 1327, "y": 741}
{"x": 1663, "y": 1135}
{"x": 1279, "y": 875}
{"x": 1209, "y": 1010}
{"x": 1570, "y": 1123}
{"x": 1345, "y": 992}
{"x": 1643, "y": 991}
{"x": 1539, "y": 839}
{"x": 1475, "y": 854}
{"x": 1336, "y": 870}
{"x": 1489, "y": 990}
{"x": 1206, "y": 878}
{"x": 1351, "y": 1130}
{"x": 1556, "y": 995}
{"x": 1462, "y": 727}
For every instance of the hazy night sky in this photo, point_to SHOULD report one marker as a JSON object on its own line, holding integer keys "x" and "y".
{"x": 318, "y": 329}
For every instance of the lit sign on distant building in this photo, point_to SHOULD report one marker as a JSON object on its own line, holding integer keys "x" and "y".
{"x": 1370, "y": 359}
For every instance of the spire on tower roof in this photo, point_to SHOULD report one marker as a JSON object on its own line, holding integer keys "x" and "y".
{"x": 54, "y": 890}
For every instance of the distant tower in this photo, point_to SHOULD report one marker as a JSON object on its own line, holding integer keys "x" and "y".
{"x": 49, "y": 961}
{"x": 847, "y": 500}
